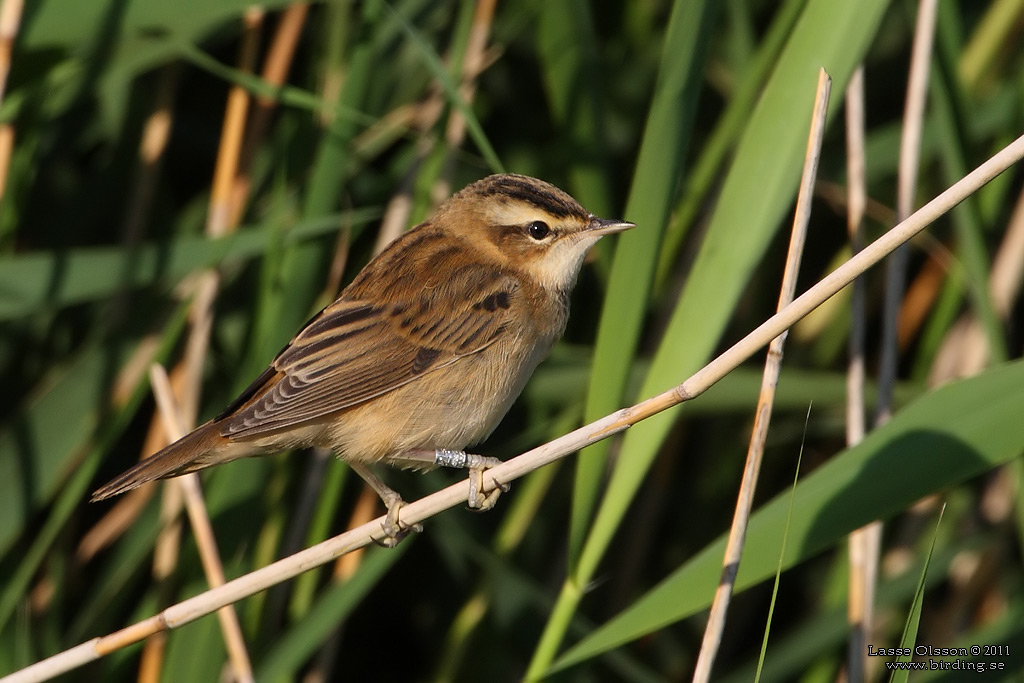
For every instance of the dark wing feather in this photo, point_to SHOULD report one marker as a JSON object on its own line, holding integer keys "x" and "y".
{"x": 355, "y": 350}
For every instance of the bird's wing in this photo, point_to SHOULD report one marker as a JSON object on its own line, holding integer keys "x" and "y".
{"x": 355, "y": 350}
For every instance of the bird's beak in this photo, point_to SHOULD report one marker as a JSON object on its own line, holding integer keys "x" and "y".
{"x": 606, "y": 226}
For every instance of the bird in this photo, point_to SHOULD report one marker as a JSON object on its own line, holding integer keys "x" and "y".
{"x": 422, "y": 354}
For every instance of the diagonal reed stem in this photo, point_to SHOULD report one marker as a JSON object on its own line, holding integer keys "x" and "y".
{"x": 428, "y": 506}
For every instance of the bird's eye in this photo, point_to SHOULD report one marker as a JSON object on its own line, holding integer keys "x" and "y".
{"x": 538, "y": 230}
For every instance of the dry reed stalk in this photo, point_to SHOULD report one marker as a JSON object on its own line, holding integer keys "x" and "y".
{"x": 856, "y": 165}
{"x": 862, "y": 572}
{"x": 155, "y": 134}
{"x": 6, "y": 151}
{"x": 219, "y": 216}
{"x": 10, "y": 20}
{"x": 399, "y": 208}
{"x": 472, "y": 66}
{"x": 773, "y": 368}
{"x": 165, "y": 559}
{"x": 910, "y": 151}
{"x": 869, "y": 538}
{"x": 276, "y": 66}
{"x": 202, "y": 530}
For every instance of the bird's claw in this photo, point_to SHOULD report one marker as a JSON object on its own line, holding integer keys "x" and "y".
{"x": 394, "y": 530}
{"x": 478, "y": 500}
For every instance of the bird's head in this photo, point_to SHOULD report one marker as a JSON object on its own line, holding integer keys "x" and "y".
{"x": 527, "y": 225}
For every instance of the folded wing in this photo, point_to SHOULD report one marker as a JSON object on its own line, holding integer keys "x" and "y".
{"x": 355, "y": 350}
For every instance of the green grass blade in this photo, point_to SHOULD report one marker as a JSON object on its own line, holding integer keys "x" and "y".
{"x": 782, "y": 554}
{"x": 910, "y": 628}
{"x": 287, "y": 95}
{"x": 39, "y": 281}
{"x": 651, "y": 195}
{"x": 69, "y": 23}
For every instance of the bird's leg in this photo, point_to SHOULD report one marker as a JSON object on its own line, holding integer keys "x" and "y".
{"x": 393, "y": 529}
{"x": 476, "y": 464}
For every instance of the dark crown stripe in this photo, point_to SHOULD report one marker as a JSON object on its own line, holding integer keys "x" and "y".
{"x": 543, "y": 196}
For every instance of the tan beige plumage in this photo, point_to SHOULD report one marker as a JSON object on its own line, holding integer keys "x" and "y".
{"x": 426, "y": 349}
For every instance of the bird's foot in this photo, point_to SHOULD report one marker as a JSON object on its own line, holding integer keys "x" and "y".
{"x": 478, "y": 499}
{"x": 394, "y": 530}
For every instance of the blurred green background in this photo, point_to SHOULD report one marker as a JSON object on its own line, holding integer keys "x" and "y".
{"x": 688, "y": 118}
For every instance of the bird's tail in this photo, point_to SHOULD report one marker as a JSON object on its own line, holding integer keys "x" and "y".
{"x": 183, "y": 456}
